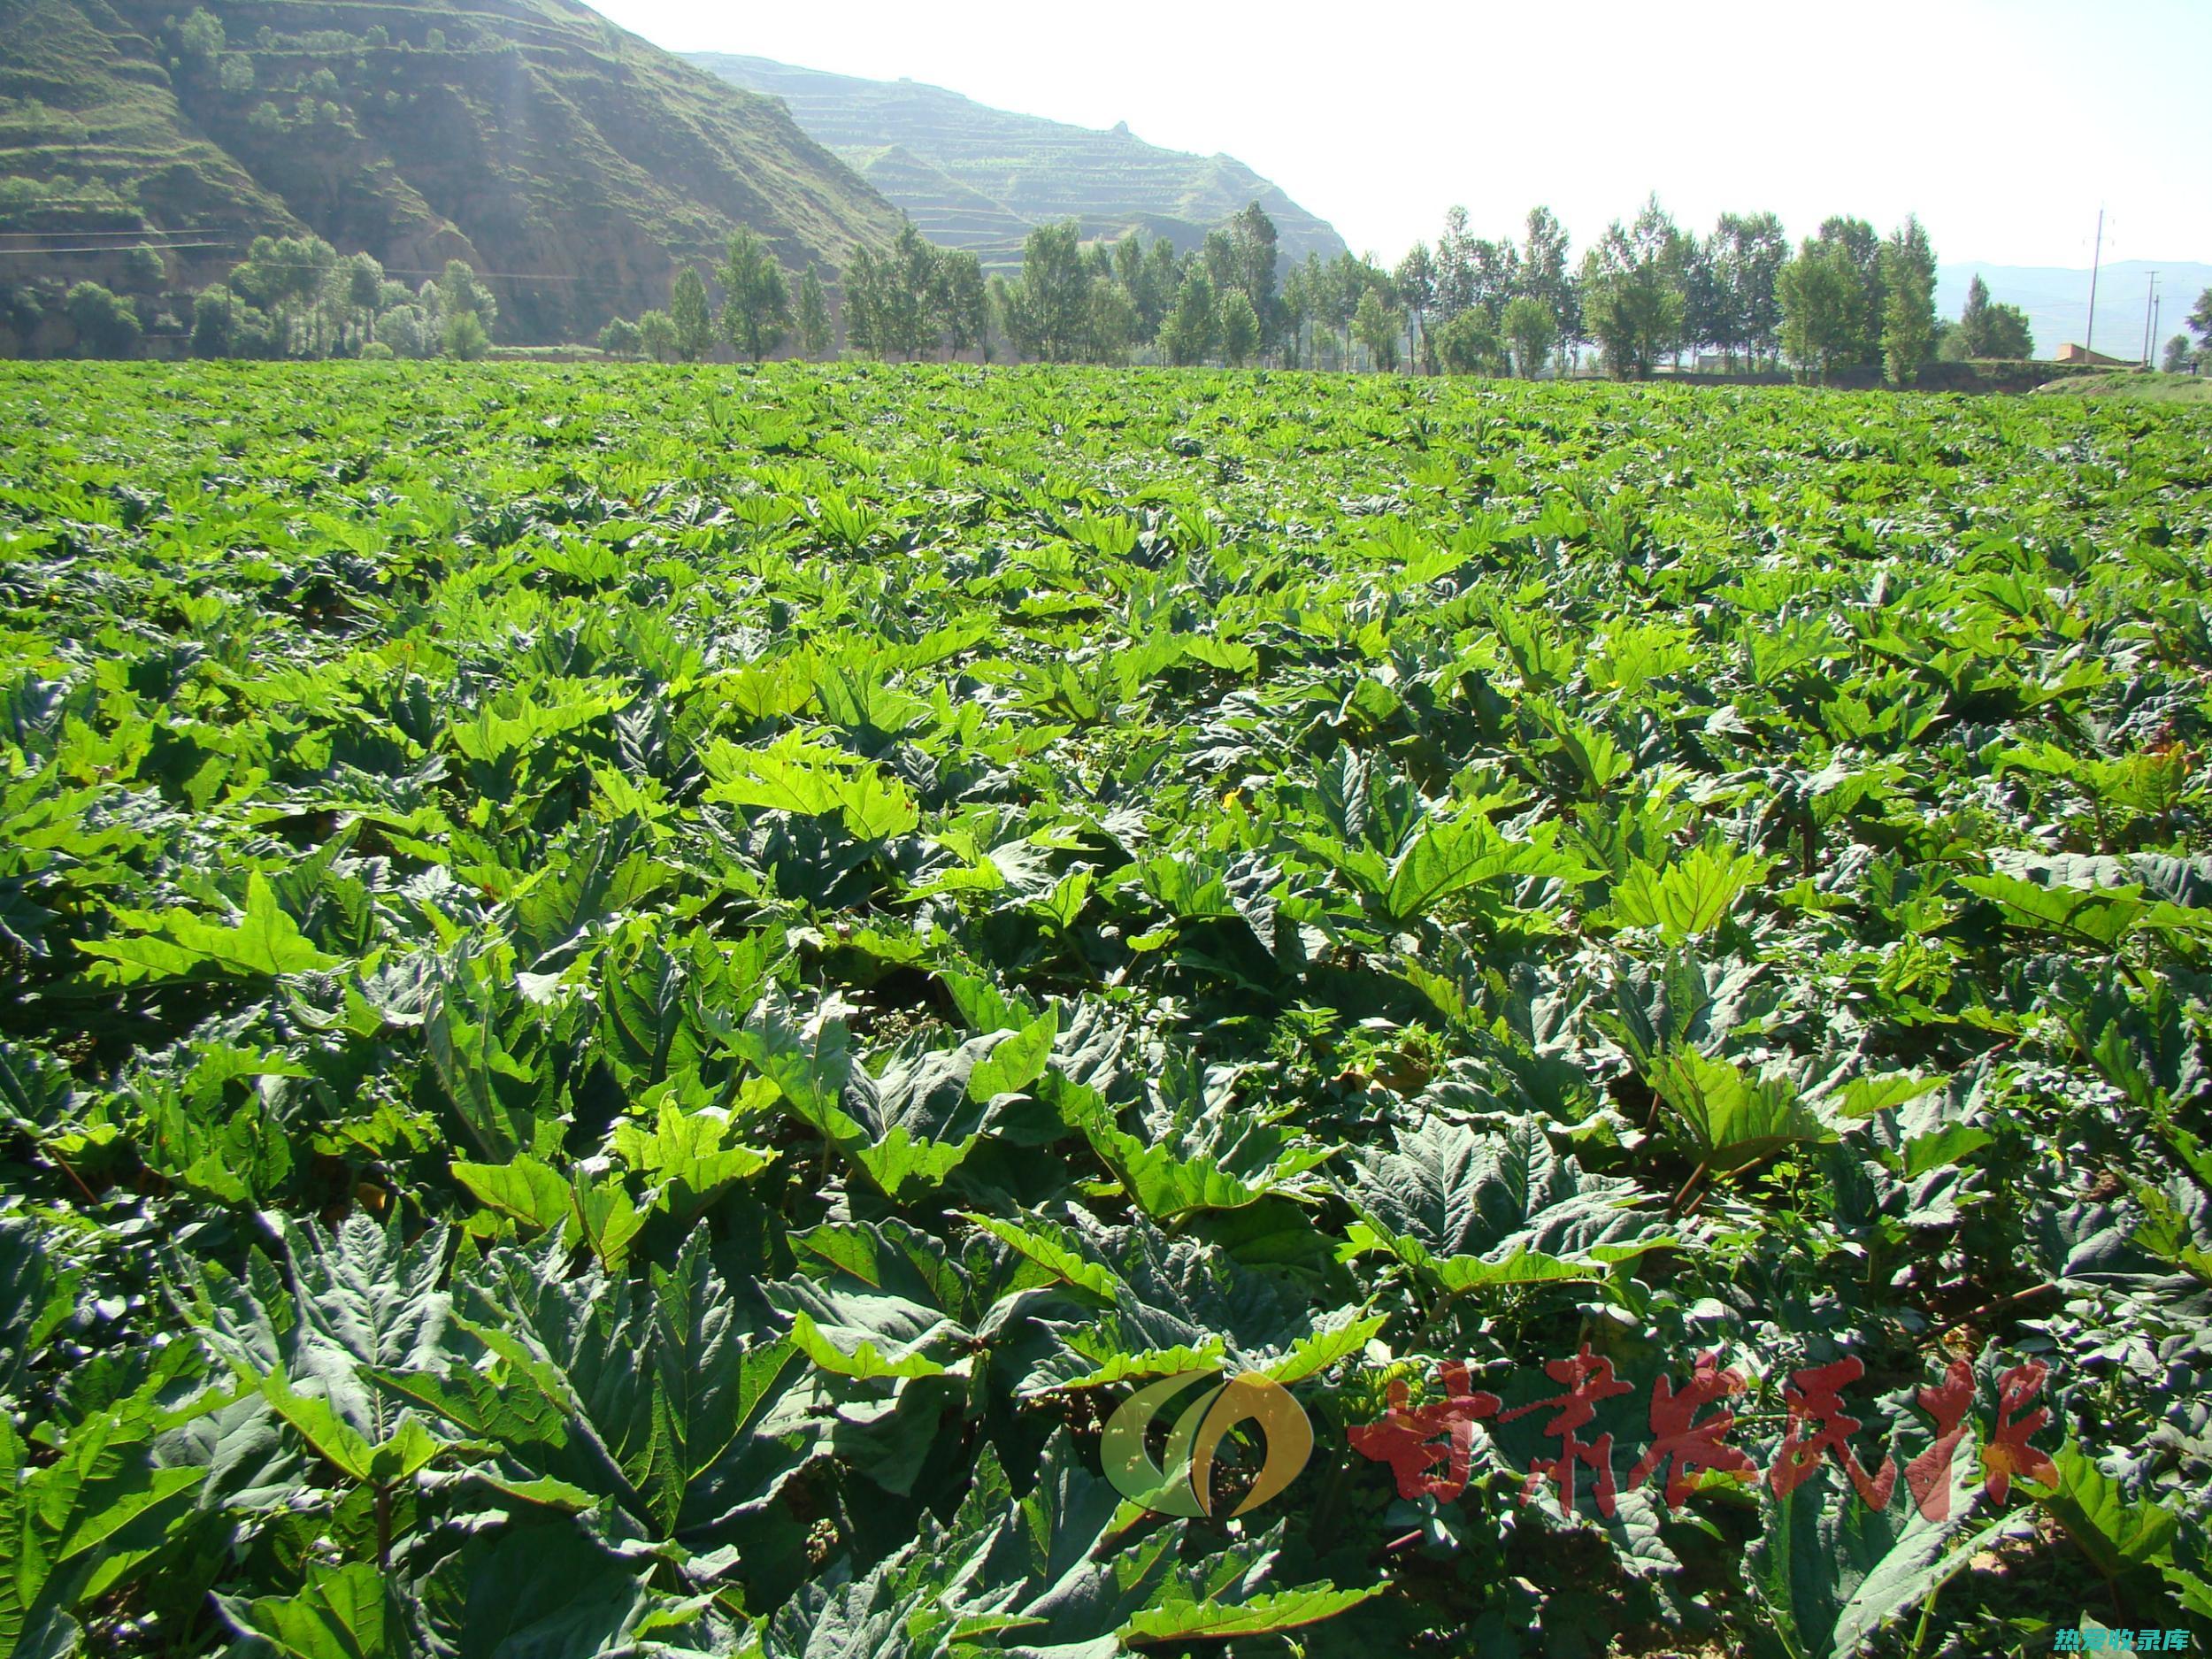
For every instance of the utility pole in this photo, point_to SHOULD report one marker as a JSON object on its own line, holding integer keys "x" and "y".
{"x": 2089, "y": 339}
{"x": 2150, "y": 298}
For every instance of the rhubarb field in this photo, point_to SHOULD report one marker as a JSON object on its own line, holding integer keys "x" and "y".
{"x": 635, "y": 1001}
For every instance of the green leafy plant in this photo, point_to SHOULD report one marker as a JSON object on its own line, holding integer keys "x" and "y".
{"x": 632, "y": 1008}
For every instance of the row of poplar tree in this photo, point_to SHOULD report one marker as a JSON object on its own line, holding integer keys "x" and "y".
{"x": 1845, "y": 299}
{"x": 291, "y": 297}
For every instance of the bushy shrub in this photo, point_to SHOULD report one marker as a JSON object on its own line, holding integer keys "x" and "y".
{"x": 465, "y": 337}
{"x": 106, "y": 326}
{"x": 1467, "y": 345}
{"x": 620, "y": 338}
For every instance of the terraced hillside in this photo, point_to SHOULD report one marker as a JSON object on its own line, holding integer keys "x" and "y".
{"x": 531, "y": 137}
{"x": 973, "y": 177}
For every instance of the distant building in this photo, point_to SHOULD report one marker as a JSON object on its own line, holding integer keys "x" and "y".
{"x": 2070, "y": 353}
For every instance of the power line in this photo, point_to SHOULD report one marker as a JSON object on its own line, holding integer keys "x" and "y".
{"x": 166, "y": 247}
{"x": 138, "y": 236}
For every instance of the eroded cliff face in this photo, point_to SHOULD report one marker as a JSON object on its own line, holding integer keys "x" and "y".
{"x": 575, "y": 164}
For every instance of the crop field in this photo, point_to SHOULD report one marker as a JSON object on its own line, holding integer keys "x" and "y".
{"x": 650, "y": 1011}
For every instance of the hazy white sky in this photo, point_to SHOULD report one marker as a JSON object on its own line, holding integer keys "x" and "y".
{"x": 2002, "y": 123}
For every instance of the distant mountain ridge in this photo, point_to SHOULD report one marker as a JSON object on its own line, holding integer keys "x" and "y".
{"x": 2057, "y": 300}
{"x": 978, "y": 178}
{"x": 534, "y": 138}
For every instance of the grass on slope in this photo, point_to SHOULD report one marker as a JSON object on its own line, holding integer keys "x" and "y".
{"x": 2134, "y": 383}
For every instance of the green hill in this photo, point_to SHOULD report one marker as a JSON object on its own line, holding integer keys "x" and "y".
{"x": 973, "y": 177}
{"x": 576, "y": 161}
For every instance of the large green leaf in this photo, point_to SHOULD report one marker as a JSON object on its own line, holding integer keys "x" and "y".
{"x": 1734, "y": 1116}
{"x": 1473, "y": 1210}
{"x": 1450, "y": 856}
{"x": 264, "y": 941}
{"x": 1195, "y": 1152}
{"x": 1691, "y": 895}
{"x": 2121, "y": 1537}
{"x": 1829, "y": 1572}
{"x": 88, "y": 1517}
{"x": 2097, "y": 915}
{"x": 37, "y": 1296}
{"x": 341, "y": 1613}
{"x": 812, "y": 781}
{"x": 660, "y": 1404}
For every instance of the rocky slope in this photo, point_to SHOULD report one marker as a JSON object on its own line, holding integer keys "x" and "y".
{"x": 971, "y": 176}
{"x": 574, "y": 162}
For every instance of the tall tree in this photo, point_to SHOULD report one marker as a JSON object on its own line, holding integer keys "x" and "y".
{"x": 1856, "y": 240}
{"x": 1349, "y": 278}
{"x": 463, "y": 337}
{"x": 656, "y": 336}
{"x": 1707, "y": 304}
{"x": 1220, "y": 257}
{"x": 1297, "y": 305}
{"x": 1193, "y": 327}
{"x": 2199, "y": 320}
{"x": 815, "y": 331}
{"x": 1378, "y": 323}
{"x": 1991, "y": 331}
{"x": 1240, "y": 328}
{"x": 105, "y": 323}
{"x": 1111, "y": 324}
{"x": 966, "y": 304}
{"x": 1252, "y": 249}
{"x": 1454, "y": 266}
{"x": 755, "y": 299}
{"x": 1748, "y": 252}
{"x": 1529, "y": 330}
{"x": 620, "y": 338}
{"x": 461, "y": 289}
{"x": 914, "y": 316}
{"x": 1822, "y": 302}
{"x": 215, "y": 322}
{"x": 1631, "y": 294}
{"x": 1129, "y": 263}
{"x": 1162, "y": 279}
{"x": 1974, "y": 318}
{"x": 1320, "y": 292}
{"x": 1546, "y": 276}
{"x": 1909, "y": 272}
{"x": 2010, "y": 336}
{"x": 1049, "y": 313}
{"x": 689, "y": 316}
{"x": 1001, "y": 303}
{"x": 864, "y": 284}
{"x": 360, "y": 283}
{"x": 1415, "y": 280}
{"x": 1497, "y": 274}
{"x": 286, "y": 276}
{"x": 465, "y": 312}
